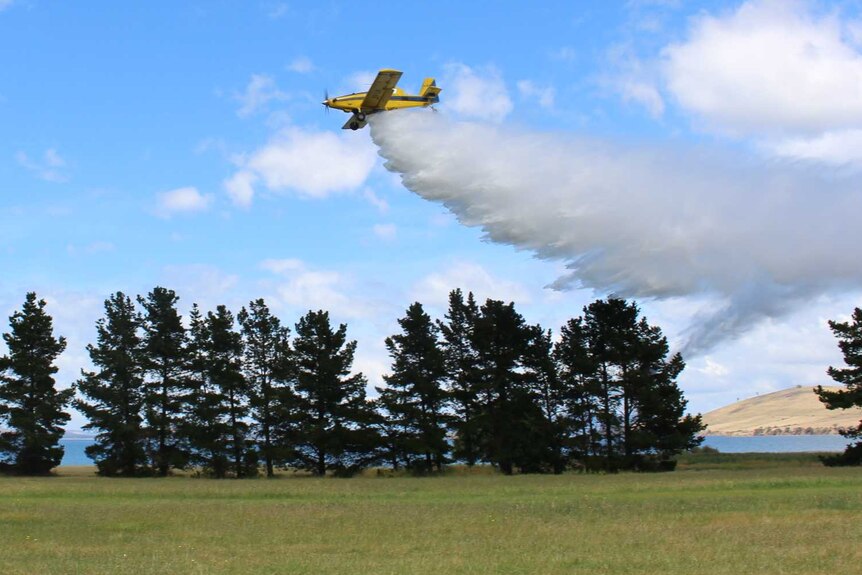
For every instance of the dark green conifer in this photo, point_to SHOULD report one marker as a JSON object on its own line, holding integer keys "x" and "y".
{"x": 639, "y": 409}
{"x": 268, "y": 367}
{"x": 114, "y": 393}
{"x": 225, "y": 355}
{"x": 459, "y": 358}
{"x": 205, "y": 423}
{"x": 510, "y": 423}
{"x": 165, "y": 362}
{"x": 849, "y": 336}
{"x": 414, "y": 400}
{"x": 32, "y": 410}
{"x": 336, "y": 430}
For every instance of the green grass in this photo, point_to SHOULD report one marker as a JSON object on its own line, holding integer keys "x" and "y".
{"x": 763, "y": 515}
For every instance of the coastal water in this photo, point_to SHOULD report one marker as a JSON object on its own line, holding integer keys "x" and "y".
{"x": 761, "y": 444}
{"x": 74, "y": 452}
{"x": 776, "y": 443}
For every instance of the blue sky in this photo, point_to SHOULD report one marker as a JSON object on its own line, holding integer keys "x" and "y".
{"x": 185, "y": 145}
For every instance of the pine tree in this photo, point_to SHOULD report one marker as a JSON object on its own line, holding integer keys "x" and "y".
{"x": 336, "y": 431}
{"x": 639, "y": 409}
{"x": 550, "y": 394}
{"x": 31, "y": 408}
{"x": 577, "y": 370}
{"x": 205, "y": 424}
{"x": 268, "y": 365}
{"x": 115, "y": 391}
{"x": 459, "y": 358}
{"x": 610, "y": 326}
{"x": 662, "y": 429}
{"x": 165, "y": 362}
{"x": 510, "y": 422}
{"x": 225, "y": 355}
{"x": 414, "y": 399}
{"x": 849, "y": 336}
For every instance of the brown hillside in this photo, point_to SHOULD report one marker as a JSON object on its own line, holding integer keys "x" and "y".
{"x": 793, "y": 411}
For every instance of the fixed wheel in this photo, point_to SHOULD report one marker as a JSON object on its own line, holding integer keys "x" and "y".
{"x": 354, "y": 125}
{"x": 360, "y": 116}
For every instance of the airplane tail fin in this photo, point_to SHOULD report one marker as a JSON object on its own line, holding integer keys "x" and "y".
{"x": 429, "y": 88}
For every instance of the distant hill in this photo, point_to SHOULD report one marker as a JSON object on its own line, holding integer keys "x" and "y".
{"x": 78, "y": 434}
{"x": 793, "y": 411}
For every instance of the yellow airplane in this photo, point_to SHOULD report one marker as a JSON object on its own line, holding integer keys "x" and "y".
{"x": 381, "y": 97}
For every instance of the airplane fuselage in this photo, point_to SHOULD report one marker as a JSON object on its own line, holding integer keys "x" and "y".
{"x": 382, "y": 96}
{"x": 400, "y": 99}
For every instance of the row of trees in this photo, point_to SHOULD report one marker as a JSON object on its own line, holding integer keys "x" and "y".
{"x": 226, "y": 394}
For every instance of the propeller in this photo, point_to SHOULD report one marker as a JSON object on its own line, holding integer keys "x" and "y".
{"x": 325, "y": 100}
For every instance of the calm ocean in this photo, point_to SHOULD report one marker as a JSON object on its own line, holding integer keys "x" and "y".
{"x": 763, "y": 444}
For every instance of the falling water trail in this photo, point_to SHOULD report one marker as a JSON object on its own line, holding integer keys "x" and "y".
{"x": 643, "y": 221}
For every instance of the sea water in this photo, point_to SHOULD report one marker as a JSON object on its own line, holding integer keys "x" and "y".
{"x": 75, "y": 455}
{"x": 777, "y": 443}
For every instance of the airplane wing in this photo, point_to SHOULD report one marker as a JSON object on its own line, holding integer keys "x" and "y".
{"x": 381, "y": 90}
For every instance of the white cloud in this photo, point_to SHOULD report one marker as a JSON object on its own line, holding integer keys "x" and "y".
{"x": 477, "y": 92}
{"x": 634, "y": 80}
{"x": 470, "y": 277}
{"x": 712, "y": 368}
{"x": 771, "y": 67}
{"x": 301, "y": 288}
{"x": 181, "y": 200}
{"x": 240, "y": 187}
{"x": 642, "y": 93}
{"x": 375, "y": 200}
{"x": 385, "y": 231}
{"x": 260, "y": 91}
{"x": 51, "y": 168}
{"x": 839, "y": 147}
{"x": 204, "y": 284}
{"x": 301, "y": 65}
{"x": 309, "y": 164}
{"x": 544, "y": 95}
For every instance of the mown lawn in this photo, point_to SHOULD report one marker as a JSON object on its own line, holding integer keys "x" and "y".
{"x": 763, "y": 516}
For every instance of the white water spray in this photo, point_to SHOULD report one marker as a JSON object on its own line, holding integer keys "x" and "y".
{"x": 642, "y": 222}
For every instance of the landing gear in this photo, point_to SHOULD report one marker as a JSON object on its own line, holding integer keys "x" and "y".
{"x": 354, "y": 126}
{"x": 359, "y": 115}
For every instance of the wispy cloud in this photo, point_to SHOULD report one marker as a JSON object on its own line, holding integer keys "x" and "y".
{"x": 277, "y": 10}
{"x": 564, "y": 54}
{"x": 51, "y": 168}
{"x": 435, "y": 287}
{"x": 181, "y": 201}
{"x": 634, "y": 80}
{"x": 4, "y": 4}
{"x": 385, "y": 232}
{"x": 375, "y": 200}
{"x": 260, "y": 91}
{"x": 300, "y": 287}
{"x": 99, "y": 247}
{"x": 301, "y": 65}
{"x": 477, "y": 92}
{"x": 543, "y": 95}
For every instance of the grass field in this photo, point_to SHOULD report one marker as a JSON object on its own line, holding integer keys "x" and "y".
{"x": 717, "y": 514}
